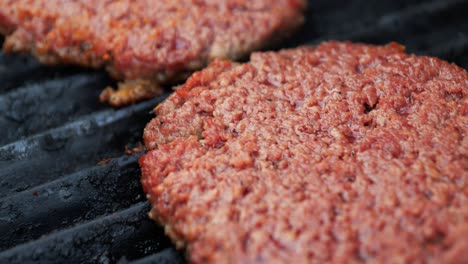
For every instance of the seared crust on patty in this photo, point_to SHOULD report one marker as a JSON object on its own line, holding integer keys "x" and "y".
{"x": 156, "y": 40}
{"x": 343, "y": 153}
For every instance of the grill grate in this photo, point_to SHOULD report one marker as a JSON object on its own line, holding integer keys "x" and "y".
{"x": 58, "y": 202}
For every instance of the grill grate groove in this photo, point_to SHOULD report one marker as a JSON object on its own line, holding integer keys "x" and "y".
{"x": 74, "y": 146}
{"x": 67, "y": 201}
{"x": 36, "y": 107}
{"x": 126, "y": 233}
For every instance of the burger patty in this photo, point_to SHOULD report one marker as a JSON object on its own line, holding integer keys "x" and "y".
{"x": 342, "y": 153}
{"x": 146, "y": 42}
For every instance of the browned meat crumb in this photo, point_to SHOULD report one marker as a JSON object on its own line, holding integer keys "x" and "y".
{"x": 139, "y": 148}
{"x": 130, "y": 92}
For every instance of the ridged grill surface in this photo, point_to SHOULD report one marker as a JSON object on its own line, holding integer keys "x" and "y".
{"x": 68, "y": 189}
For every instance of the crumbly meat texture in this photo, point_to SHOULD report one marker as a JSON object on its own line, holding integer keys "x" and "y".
{"x": 343, "y": 153}
{"x": 161, "y": 41}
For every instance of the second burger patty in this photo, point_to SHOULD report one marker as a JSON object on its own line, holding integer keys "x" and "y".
{"x": 145, "y": 42}
{"x": 335, "y": 154}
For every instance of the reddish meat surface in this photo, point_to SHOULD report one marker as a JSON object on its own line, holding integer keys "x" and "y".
{"x": 160, "y": 41}
{"x": 343, "y": 153}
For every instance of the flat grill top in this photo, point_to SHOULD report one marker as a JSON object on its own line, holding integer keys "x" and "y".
{"x": 69, "y": 191}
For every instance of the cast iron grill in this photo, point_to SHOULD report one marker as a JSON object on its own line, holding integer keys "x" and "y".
{"x": 68, "y": 189}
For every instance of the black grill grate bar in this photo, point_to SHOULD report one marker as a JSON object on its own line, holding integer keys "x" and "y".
{"x": 127, "y": 233}
{"x": 78, "y": 145}
{"x": 426, "y": 35}
{"x": 20, "y": 63}
{"x": 75, "y": 198}
{"x": 100, "y": 119}
{"x": 37, "y": 107}
{"x": 338, "y": 17}
{"x": 20, "y": 69}
{"x": 424, "y": 16}
{"x": 15, "y": 69}
{"x": 420, "y": 8}
{"x": 456, "y": 51}
{"x": 432, "y": 42}
{"x": 167, "y": 256}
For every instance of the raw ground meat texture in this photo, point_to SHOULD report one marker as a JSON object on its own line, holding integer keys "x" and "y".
{"x": 144, "y": 42}
{"x": 340, "y": 153}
